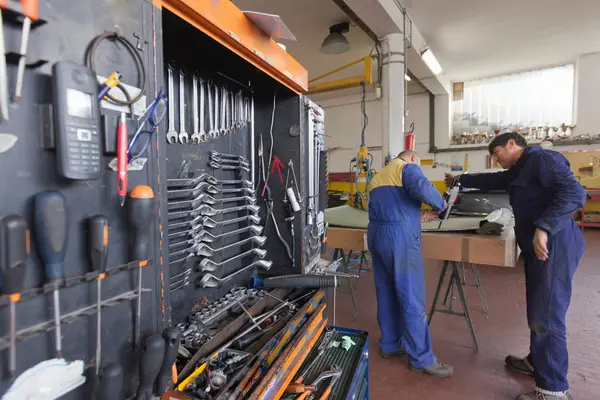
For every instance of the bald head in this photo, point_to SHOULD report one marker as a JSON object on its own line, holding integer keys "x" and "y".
{"x": 410, "y": 156}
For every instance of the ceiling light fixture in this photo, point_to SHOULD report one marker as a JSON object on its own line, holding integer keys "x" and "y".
{"x": 336, "y": 42}
{"x": 431, "y": 62}
{"x": 407, "y": 78}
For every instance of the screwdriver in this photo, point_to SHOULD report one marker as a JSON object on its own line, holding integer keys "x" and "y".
{"x": 14, "y": 250}
{"x": 111, "y": 383}
{"x": 51, "y": 235}
{"x": 122, "y": 145}
{"x": 140, "y": 207}
{"x": 30, "y": 12}
{"x": 172, "y": 338}
{"x": 98, "y": 226}
{"x": 112, "y": 81}
{"x": 150, "y": 364}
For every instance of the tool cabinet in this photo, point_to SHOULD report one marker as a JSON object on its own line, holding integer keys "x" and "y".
{"x": 211, "y": 41}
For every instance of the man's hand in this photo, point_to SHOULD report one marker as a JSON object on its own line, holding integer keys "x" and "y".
{"x": 540, "y": 244}
{"x": 428, "y": 216}
{"x": 448, "y": 178}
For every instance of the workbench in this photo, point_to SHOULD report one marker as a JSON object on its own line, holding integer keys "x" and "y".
{"x": 454, "y": 249}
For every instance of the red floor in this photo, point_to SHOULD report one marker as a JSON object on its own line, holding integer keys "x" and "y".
{"x": 481, "y": 375}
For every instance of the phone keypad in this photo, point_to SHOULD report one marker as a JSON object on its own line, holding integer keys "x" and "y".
{"x": 83, "y": 149}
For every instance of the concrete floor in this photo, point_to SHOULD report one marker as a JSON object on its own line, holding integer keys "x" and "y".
{"x": 481, "y": 375}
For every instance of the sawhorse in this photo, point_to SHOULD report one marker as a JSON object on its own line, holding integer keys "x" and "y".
{"x": 455, "y": 281}
{"x": 342, "y": 255}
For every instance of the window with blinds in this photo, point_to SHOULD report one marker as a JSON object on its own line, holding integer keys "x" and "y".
{"x": 537, "y": 103}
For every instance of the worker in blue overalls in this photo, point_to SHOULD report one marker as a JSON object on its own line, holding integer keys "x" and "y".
{"x": 394, "y": 238}
{"x": 544, "y": 194}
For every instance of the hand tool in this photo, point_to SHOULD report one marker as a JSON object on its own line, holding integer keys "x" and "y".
{"x": 327, "y": 336}
{"x": 111, "y": 383}
{"x": 207, "y": 237}
{"x": 98, "y": 231}
{"x": 30, "y": 12}
{"x": 113, "y": 80}
{"x": 305, "y": 390}
{"x": 293, "y": 197}
{"x": 150, "y": 363}
{"x": 51, "y": 235}
{"x": 185, "y": 273}
{"x": 204, "y": 198}
{"x": 217, "y": 107}
{"x": 208, "y": 211}
{"x": 332, "y": 383}
{"x": 122, "y": 146}
{"x": 14, "y": 251}
{"x": 154, "y": 119}
{"x": 208, "y": 188}
{"x": 184, "y": 284}
{"x": 202, "y": 107}
{"x": 450, "y": 199}
{"x": 3, "y": 71}
{"x": 211, "y": 112}
{"x": 207, "y": 178}
{"x": 204, "y": 250}
{"x": 209, "y": 280}
{"x": 216, "y": 165}
{"x": 183, "y": 135}
{"x": 183, "y": 280}
{"x": 214, "y": 153}
{"x": 209, "y": 265}
{"x": 217, "y": 159}
{"x": 231, "y": 118}
{"x": 223, "y": 129}
{"x": 172, "y": 337}
{"x": 171, "y": 132}
{"x": 208, "y": 222}
{"x": 195, "y": 133}
{"x": 140, "y": 208}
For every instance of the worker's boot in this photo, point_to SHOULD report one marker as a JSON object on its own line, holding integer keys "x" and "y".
{"x": 437, "y": 370}
{"x": 543, "y": 395}
{"x": 391, "y": 354}
{"x": 521, "y": 365}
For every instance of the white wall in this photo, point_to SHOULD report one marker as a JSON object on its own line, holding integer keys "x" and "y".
{"x": 587, "y": 93}
{"x": 343, "y": 123}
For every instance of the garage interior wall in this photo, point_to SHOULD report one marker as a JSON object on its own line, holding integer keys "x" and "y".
{"x": 343, "y": 124}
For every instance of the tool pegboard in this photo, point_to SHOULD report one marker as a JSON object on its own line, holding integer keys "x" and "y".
{"x": 264, "y": 128}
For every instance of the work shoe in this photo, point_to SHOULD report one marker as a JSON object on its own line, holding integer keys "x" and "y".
{"x": 535, "y": 395}
{"x": 437, "y": 370}
{"x": 521, "y": 365}
{"x": 391, "y": 354}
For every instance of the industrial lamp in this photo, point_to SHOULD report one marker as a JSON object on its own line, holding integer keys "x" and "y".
{"x": 336, "y": 42}
{"x": 431, "y": 62}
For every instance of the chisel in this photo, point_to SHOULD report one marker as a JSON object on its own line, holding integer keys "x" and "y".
{"x": 172, "y": 337}
{"x": 98, "y": 226}
{"x": 150, "y": 364}
{"x": 51, "y": 235}
{"x": 14, "y": 251}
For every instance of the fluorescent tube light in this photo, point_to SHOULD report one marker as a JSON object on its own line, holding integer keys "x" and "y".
{"x": 431, "y": 62}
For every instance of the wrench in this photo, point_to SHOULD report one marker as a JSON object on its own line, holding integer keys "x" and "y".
{"x": 208, "y": 222}
{"x": 206, "y": 178}
{"x": 185, "y": 273}
{"x": 171, "y": 132}
{"x": 232, "y": 127}
{"x": 217, "y": 106}
{"x": 204, "y": 250}
{"x": 216, "y": 165}
{"x": 208, "y": 199}
{"x": 220, "y": 160}
{"x": 202, "y": 131}
{"x": 207, "y": 237}
{"x": 208, "y": 188}
{"x": 211, "y": 112}
{"x": 183, "y": 136}
{"x": 195, "y": 133}
{"x": 209, "y": 280}
{"x": 199, "y": 230}
{"x": 223, "y": 156}
{"x": 223, "y": 130}
{"x": 208, "y": 211}
{"x": 209, "y": 265}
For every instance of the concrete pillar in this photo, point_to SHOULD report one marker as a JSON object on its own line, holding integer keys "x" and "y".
{"x": 392, "y": 89}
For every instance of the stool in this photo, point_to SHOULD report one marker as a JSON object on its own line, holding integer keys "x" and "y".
{"x": 454, "y": 282}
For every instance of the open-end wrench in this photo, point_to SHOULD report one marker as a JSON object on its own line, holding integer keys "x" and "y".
{"x": 223, "y": 128}
{"x": 217, "y": 165}
{"x": 202, "y": 101}
{"x": 204, "y": 198}
{"x": 207, "y": 188}
{"x": 183, "y": 135}
{"x": 171, "y": 132}
{"x": 232, "y": 127}
{"x": 209, "y": 265}
{"x": 204, "y": 250}
{"x": 211, "y": 111}
{"x": 247, "y": 117}
{"x": 208, "y": 222}
{"x": 208, "y": 211}
{"x": 209, "y": 280}
{"x": 223, "y": 156}
{"x": 195, "y": 133}
{"x": 217, "y": 107}
{"x": 185, "y": 273}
